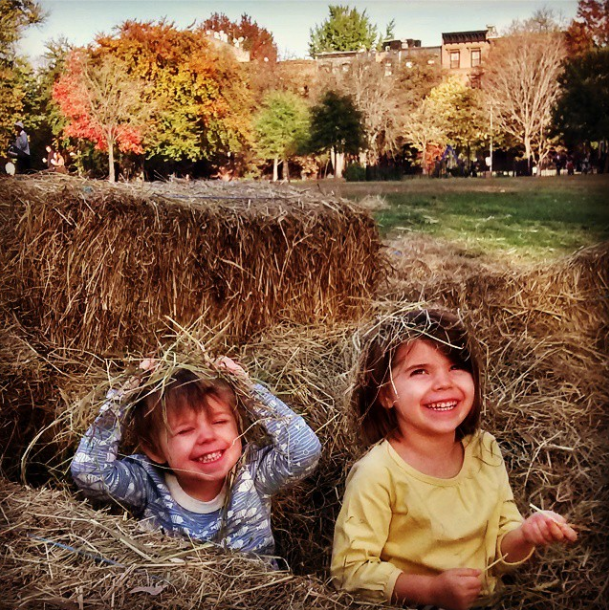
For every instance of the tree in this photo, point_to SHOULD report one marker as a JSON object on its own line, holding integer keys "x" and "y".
{"x": 255, "y": 39}
{"x": 590, "y": 28}
{"x": 15, "y": 17}
{"x": 582, "y": 111}
{"x": 281, "y": 128}
{"x": 422, "y": 129}
{"x": 373, "y": 93}
{"x": 103, "y": 104}
{"x": 415, "y": 78}
{"x": 459, "y": 113}
{"x": 346, "y": 29}
{"x": 520, "y": 82}
{"x": 203, "y": 107}
{"x": 336, "y": 126}
{"x": 48, "y": 120}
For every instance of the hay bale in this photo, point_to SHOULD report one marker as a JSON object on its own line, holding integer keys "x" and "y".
{"x": 103, "y": 268}
{"x": 58, "y": 553}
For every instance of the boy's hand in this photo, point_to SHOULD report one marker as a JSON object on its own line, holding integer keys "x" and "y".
{"x": 546, "y": 527}
{"x": 148, "y": 365}
{"x": 458, "y": 589}
{"x": 226, "y": 364}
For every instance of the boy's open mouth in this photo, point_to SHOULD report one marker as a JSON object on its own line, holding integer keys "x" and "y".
{"x": 209, "y": 457}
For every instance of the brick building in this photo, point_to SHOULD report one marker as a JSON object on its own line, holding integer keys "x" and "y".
{"x": 461, "y": 53}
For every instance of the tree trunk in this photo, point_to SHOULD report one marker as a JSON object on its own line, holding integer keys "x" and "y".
{"x": 111, "y": 174}
{"x": 285, "y": 170}
{"x": 424, "y": 159}
{"x": 339, "y": 164}
{"x": 529, "y": 153}
{"x": 275, "y": 169}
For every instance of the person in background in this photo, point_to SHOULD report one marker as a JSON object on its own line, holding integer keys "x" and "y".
{"x": 54, "y": 160}
{"x": 428, "y": 516}
{"x": 20, "y": 149}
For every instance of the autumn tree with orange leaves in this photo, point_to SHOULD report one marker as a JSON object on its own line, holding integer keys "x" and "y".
{"x": 590, "y": 28}
{"x": 203, "y": 107}
{"x": 102, "y": 104}
{"x": 255, "y": 39}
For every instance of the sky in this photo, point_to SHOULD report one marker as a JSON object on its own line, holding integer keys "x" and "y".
{"x": 290, "y": 21}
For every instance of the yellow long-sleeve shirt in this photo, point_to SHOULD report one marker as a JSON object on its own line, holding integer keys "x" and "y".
{"x": 395, "y": 519}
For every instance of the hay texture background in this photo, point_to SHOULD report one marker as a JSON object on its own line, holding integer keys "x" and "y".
{"x": 543, "y": 333}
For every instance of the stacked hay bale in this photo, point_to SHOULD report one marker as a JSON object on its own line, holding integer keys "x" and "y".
{"x": 104, "y": 268}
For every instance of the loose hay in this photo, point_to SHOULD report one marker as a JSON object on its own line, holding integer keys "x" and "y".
{"x": 57, "y": 553}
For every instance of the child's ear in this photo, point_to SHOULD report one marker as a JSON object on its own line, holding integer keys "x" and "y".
{"x": 386, "y": 397}
{"x": 153, "y": 453}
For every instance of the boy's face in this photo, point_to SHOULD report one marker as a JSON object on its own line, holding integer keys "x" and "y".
{"x": 201, "y": 446}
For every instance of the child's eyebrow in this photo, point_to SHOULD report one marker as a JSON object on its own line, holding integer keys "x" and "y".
{"x": 421, "y": 365}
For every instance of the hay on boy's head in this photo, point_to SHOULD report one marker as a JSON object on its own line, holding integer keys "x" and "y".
{"x": 441, "y": 328}
{"x": 192, "y": 426}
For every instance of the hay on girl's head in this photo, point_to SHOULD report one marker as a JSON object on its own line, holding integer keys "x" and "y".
{"x": 382, "y": 342}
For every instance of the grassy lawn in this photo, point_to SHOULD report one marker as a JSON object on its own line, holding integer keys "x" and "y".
{"x": 536, "y": 218}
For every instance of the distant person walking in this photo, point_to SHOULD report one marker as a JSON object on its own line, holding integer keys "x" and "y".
{"x": 20, "y": 149}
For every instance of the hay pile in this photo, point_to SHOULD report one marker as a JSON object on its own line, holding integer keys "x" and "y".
{"x": 544, "y": 330}
{"x": 544, "y": 336}
{"x": 60, "y": 555}
{"x": 102, "y": 268}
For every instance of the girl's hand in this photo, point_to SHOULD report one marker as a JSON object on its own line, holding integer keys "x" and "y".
{"x": 458, "y": 589}
{"x": 546, "y": 527}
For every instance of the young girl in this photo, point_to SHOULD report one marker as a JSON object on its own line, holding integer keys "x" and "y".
{"x": 429, "y": 508}
{"x": 194, "y": 476}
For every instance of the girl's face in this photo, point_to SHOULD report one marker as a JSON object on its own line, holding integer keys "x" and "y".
{"x": 200, "y": 446}
{"x": 431, "y": 394}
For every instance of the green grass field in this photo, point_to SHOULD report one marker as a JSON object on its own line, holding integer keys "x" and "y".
{"x": 534, "y": 218}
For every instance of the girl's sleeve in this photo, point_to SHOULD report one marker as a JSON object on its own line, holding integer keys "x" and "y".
{"x": 294, "y": 450}
{"x": 96, "y": 469}
{"x": 360, "y": 535}
{"x": 510, "y": 517}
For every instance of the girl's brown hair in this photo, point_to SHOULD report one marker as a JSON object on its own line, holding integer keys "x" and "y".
{"x": 183, "y": 389}
{"x": 442, "y": 328}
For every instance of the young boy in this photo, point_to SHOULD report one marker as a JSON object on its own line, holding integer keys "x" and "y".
{"x": 194, "y": 476}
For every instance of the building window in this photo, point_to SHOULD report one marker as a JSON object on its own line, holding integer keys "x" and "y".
{"x": 454, "y": 60}
{"x": 476, "y": 58}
